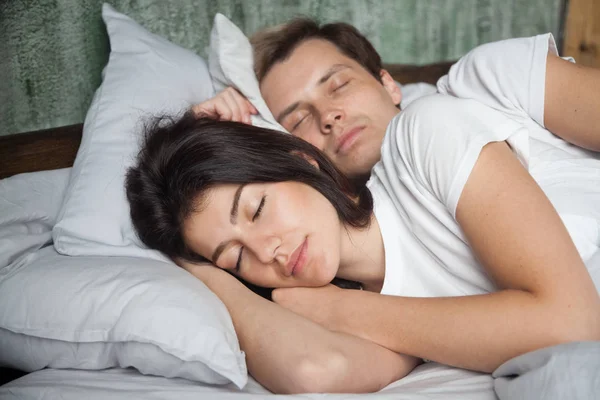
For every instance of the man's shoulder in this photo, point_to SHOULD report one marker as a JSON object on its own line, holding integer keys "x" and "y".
{"x": 440, "y": 120}
{"x": 439, "y": 109}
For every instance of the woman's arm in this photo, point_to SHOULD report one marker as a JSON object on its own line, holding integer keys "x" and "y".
{"x": 291, "y": 354}
{"x": 546, "y": 297}
{"x": 572, "y": 102}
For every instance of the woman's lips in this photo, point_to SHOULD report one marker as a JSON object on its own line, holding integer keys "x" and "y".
{"x": 299, "y": 258}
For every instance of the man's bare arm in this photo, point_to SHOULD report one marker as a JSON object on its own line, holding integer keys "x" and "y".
{"x": 572, "y": 102}
{"x": 546, "y": 295}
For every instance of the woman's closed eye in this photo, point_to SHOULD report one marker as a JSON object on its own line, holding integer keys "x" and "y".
{"x": 260, "y": 208}
{"x": 239, "y": 260}
{"x": 254, "y": 217}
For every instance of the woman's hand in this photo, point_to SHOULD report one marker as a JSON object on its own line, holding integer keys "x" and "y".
{"x": 228, "y": 105}
{"x": 317, "y": 304}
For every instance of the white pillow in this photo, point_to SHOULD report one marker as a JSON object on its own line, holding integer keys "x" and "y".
{"x": 96, "y": 312}
{"x": 146, "y": 76}
{"x": 231, "y": 63}
{"x": 29, "y": 204}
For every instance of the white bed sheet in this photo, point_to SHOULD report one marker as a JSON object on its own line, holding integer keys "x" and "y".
{"x": 429, "y": 381}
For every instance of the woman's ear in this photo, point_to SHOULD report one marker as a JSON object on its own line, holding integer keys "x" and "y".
{"x": 308, "y": 158}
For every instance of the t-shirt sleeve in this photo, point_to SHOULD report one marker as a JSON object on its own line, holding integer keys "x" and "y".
{"x": 436, "y": 141}
{"x": 508, "y": 75}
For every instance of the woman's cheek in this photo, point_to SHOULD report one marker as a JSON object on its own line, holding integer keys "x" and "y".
{"x": 329, "y": 267}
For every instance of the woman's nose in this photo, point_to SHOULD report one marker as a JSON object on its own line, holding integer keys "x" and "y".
{"x": 265, "y": 248}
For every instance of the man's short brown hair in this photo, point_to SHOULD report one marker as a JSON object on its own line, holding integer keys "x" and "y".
{"x": 274, "y": 45}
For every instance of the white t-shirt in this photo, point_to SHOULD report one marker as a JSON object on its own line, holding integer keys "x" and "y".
{"x": 431, "y": 147}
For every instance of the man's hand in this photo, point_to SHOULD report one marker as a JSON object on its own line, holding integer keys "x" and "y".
{"x": 317, "y": 304}
{"x": 228, "y": 105}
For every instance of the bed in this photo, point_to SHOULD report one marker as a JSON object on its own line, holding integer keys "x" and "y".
{"x": 87, "y": 312}
{"x": 52, "y": 152}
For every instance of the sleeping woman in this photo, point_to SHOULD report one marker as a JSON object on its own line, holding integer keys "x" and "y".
{"x": 227, "y": 200}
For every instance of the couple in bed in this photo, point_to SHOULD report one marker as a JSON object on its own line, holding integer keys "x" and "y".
{"x": 470, "y": 238}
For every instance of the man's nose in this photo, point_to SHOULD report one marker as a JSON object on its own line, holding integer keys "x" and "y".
{"x": 330, "y": 120}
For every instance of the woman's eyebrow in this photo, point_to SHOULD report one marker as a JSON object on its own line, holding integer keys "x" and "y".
{"x": 233, "y": 218}
{"x": 236, "y": 203}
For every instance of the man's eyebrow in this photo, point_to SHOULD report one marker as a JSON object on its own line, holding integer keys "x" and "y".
{"x": 334, "y": 69}
{"x": 233, "y": 218}
{"x": 328, "y": 74}
{"x": 287, "y": 111}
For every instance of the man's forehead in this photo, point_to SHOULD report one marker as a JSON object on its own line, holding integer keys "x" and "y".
{"x": 309, "y": 65}
{"x": 309, "y": 84}
{"x": 331, "y": 71}
{"x": 318, "y": 56}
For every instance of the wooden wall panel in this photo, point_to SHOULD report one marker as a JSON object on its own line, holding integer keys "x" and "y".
{"x": 582, "y": 34}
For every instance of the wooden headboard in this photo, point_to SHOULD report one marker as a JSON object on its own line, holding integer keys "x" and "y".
{"x": 57, "y": 147}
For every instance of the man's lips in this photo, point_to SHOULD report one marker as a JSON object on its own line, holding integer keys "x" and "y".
{"x": 347, "y": 139}
{"x": 297, "y": 259}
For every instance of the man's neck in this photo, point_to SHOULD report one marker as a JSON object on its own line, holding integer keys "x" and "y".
{"x": 359, "y": 182}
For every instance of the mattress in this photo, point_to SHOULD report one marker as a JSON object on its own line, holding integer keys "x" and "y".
{"x": 428, "y": 381}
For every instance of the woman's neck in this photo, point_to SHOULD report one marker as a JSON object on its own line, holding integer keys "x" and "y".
{"x": 363, "y": 256}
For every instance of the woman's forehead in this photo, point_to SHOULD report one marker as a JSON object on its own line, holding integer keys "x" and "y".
{"x": 219, "y": 204}
{"x": 213, "y": 199}
{"x": 209, "y": 219}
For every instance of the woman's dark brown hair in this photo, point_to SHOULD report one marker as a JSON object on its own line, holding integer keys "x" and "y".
{"x": 181, "y": 160}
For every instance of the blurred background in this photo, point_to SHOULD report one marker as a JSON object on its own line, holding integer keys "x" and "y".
{"x": 52, "y": 51}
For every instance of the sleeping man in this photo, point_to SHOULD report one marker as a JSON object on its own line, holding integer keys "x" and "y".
{"x": 495, "y": 181}
{"x": 302, "y": 68}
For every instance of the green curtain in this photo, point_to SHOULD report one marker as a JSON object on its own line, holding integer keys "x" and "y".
{"x": 52, "y": 51}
